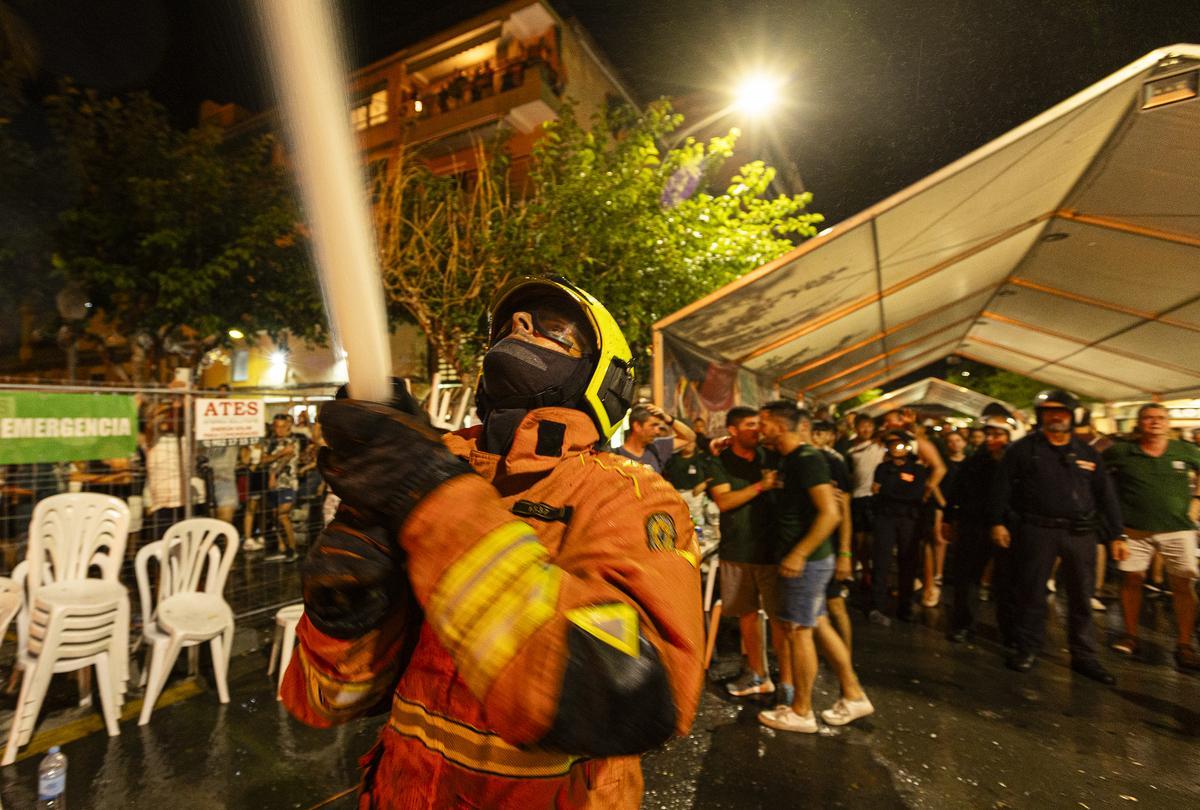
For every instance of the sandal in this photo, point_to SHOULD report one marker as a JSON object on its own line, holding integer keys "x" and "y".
{"x": 1128, "y": 645}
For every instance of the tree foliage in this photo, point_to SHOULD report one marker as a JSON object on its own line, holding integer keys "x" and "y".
{"x": 1006, "y": 386}
{"x": 638, "y": 224}
{"x": 607, "y": 205}
{"x": 174, "y": 235}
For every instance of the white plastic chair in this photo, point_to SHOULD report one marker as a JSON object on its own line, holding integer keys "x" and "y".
{"x": 286, "y": 621}
{"x": 189, "y": 608}
{"x": 74, "y": 620}
{"x": 10, "y": 603}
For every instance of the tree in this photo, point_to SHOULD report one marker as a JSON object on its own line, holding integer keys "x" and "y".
{"x": 175, "y": 236}
{"x": 1006, "y": 386}
{"x": 608, "y": 206}
{"x": 444, "y": 247}
{"x": 856, "y": 402}
{"x": 636, "y": 223}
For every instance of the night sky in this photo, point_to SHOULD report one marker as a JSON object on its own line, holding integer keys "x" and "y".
{"x": 882, "y": 92}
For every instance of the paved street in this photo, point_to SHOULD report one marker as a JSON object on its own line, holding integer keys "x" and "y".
{"x": 953, "y": 728}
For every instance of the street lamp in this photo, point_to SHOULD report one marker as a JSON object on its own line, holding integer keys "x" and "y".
{"x": 757, "y": 95}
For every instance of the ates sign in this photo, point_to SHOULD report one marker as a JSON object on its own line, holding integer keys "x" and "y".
{"x": 221, "y": 421}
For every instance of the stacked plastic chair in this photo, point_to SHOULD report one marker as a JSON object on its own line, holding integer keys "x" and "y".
{"x": 286, "y": 621}
{"x": 77, "y": 609}
{"x": 10, "y": 603}
{"x": 189, "y": 608}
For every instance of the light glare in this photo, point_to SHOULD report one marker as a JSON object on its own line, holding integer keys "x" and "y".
{"x": 757, "y": 95}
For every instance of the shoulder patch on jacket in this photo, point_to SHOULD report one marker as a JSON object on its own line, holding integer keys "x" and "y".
{"x": 660, "y": 532}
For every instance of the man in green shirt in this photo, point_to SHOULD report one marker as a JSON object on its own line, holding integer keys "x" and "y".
{"x": 806, "y": 514}
{"x": 740, "y": 476}
{"x": 1155, "y": 479}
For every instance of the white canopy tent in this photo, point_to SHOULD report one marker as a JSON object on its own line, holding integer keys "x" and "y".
{"x": 942, "y": 395}
{"x": 1067, "y": 250}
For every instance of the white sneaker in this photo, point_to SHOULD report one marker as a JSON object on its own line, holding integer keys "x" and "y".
{"x": 847, "y": 711}
{"x": 1050, "y": 586}
{"x": 253, "y": 544}
{"x": 1098, "y": 605}
{"x": 931, "y": 598}
{"x": 784, "y": 719}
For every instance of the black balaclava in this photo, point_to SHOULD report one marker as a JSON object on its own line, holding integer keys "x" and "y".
{"x": 518, "y": 377}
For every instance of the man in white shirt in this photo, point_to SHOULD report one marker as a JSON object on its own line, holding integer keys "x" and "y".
{"x": 864, "y": 456}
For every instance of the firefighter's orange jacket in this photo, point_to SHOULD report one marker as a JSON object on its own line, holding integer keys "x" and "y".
{"x": 551, "y": 539}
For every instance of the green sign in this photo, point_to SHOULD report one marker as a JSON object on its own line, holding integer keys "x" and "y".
{"x": 65, "y": 427}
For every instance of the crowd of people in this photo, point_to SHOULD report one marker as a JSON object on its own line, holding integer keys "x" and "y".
{"x": 259, "y": 486}
{"x": 883, "y": 512}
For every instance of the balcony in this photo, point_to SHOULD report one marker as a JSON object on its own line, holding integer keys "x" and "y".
{"x": 530, "y": 103}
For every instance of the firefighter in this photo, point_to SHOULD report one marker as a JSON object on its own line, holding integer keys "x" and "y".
{"x": 549, "y": 627}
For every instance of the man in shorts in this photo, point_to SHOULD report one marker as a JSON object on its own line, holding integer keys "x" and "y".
{"x": 1156, "y": 479}
{"x": 740, "y": 476}
{"x": 283, "y": 455}
{"x": 806, "y": 514}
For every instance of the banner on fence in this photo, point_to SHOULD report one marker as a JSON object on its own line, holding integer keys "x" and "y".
{"x": 37, "y": 427}
{"x": 230, "y": 421}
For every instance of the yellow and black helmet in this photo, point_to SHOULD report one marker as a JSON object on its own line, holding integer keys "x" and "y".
{"x": 610, "y": 386}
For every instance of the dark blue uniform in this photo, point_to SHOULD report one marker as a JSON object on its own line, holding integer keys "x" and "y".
{"x": 972, "y": 548}
{"x": 897, "y": 512}
{"x": 1058, "y": 504}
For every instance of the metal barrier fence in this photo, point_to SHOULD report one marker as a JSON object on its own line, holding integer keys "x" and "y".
{"x": 268, "y": 488}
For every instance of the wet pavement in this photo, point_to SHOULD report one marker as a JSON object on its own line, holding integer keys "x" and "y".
{"x": 953, "y": 728}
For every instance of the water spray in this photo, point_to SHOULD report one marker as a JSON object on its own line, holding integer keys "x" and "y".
{"x": 310, "y": 79}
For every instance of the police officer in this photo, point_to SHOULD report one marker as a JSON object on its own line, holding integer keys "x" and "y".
{"x": 1058, "y": 499}
{"x": 900, "y": 487}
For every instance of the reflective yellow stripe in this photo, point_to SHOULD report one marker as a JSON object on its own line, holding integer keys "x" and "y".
{"x": 479, "y": 576}
{"x": 472, "y": 748}
{"x": 507, "y": 623}
{"x": 491, "y": 600}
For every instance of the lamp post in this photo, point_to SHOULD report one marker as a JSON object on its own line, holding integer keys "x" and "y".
{"x": 756, "y": 96}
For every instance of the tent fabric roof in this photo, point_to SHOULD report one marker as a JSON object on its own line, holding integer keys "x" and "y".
{"x": 932, "y": 391}
{"x": 1067, "y": 250}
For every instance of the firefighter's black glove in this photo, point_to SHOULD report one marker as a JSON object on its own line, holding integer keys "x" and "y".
{"x": 353, "y": 575}
{"x": 382, "y": 460}
{"x": 402, "y": 398}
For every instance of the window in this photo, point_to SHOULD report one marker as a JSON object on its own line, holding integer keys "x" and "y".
{"x": 370, "y": 109}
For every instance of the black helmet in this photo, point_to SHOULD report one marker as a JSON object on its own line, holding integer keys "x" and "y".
{"x": 1056, "y": 398}
{"x": 900, "y": 437}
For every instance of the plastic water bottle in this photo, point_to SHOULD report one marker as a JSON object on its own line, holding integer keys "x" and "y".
{"x": 52, "y": 780}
